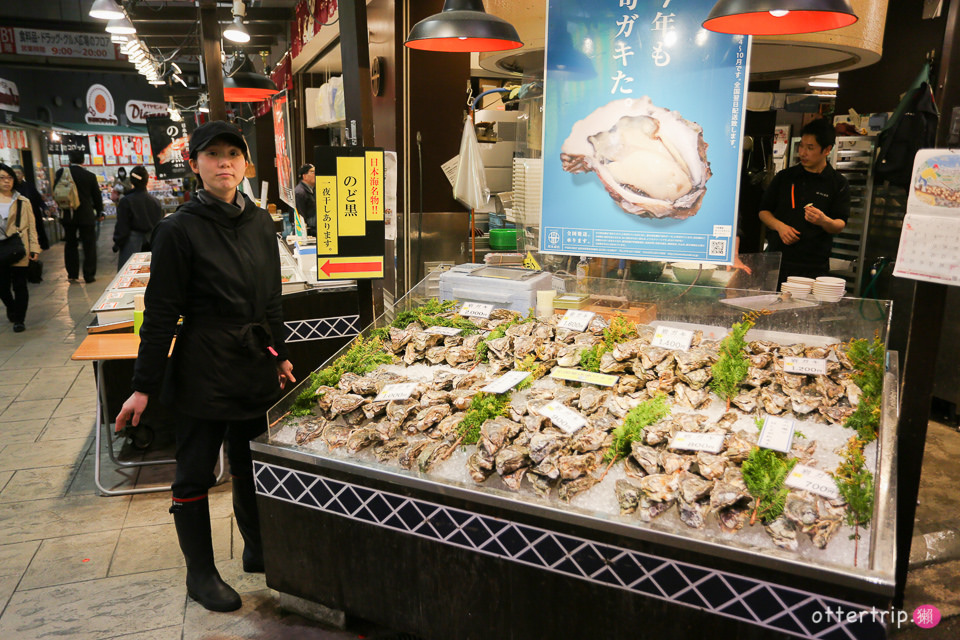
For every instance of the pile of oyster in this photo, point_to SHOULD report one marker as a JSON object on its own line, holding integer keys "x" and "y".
{"x": 524, "y": 445}
{"x": 651, "y": 161}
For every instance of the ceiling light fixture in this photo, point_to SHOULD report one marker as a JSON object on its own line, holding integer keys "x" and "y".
{"x": 121, "y": 26}
{"x": 779, "y": 17}
{"x": 243, "y": 84}
{"x": 118, "y": 38}
{"x": 463, "y": 26}
{"x": 105, "y": 10}
{"x": 236, "y": 31}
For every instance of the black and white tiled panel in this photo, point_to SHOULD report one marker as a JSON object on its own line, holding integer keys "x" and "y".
{"x": 765, "y": 604}
{"x": 322, "y": 328}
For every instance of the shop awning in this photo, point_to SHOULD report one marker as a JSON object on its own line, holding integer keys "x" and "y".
{"x": 83, "y": 127}
{"x": 19, "y": 121}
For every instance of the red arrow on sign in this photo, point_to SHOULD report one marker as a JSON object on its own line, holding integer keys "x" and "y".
{"x": 350, "y": 267}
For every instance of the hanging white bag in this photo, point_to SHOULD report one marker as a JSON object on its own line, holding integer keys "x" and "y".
{"x": 470, "y": 185}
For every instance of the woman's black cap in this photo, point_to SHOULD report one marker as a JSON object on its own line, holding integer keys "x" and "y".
{"x": 206, "y": 133}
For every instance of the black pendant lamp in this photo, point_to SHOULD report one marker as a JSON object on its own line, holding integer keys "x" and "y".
{"x": 778, "y": 17}
{"x": 244, "y": 84}
{"x": 463, "y": 26}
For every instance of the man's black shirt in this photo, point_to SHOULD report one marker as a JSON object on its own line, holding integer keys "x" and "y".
{"x": 789, "y": 192}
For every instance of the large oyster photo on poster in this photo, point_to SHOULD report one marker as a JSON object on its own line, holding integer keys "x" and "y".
{"x": 651, "y": 160}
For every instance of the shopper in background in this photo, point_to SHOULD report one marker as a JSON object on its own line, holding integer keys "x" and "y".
{"x": 13, "y": 279}
{"x": 306, "y": 196}
{"x": 36, "y": 201}
{"x": 138, "y": 213}
{"x": 80, "y": 224}
{"x": 215, "y": 262}
{"x": 123, "y": 181}
{"x": 806, "y": 205}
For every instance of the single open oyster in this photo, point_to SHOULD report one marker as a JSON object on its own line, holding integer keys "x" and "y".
{"x": 651, "y": 160}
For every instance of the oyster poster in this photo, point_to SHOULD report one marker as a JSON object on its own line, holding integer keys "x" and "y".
{"x": 643, "y": 114}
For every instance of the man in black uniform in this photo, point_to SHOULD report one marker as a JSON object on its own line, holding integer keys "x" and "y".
{"x": 805, "y": 205}
{"x": 81, "y": 221}
{"x": 306, "y": 196}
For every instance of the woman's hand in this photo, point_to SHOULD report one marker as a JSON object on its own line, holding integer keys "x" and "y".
{"x": 132, "y": 408}
{"x": 34, "y": 256}
{"x": 285, "y": 373}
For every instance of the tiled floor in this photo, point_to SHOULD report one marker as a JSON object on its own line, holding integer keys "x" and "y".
{"x": 77, "y": 565}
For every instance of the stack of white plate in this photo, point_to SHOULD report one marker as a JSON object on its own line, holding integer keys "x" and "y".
{"x": 796, "y": 289}
{"x": 827, "y": 289}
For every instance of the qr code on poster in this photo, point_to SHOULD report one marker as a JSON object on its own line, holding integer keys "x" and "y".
{"x": 718, "y": 248}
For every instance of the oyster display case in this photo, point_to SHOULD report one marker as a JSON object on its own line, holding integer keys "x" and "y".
{"x": 379, "y": 508}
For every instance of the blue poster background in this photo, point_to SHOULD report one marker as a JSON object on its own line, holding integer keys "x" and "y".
{"x": 607, "y": 50}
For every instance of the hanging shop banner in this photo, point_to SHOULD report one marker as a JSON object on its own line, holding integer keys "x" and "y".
{"x": 13, "y": 139}
{"x": 930, "y": 237}
{"x": 643, "y": 117}
{"x": 9, "y": 96}
{"x": 138, "y": 111}
{"x": 169, "y": 140}
{"x": 284, "y": 147}
{"x": 57, "y": 44}
{"x": 350, "y": 207}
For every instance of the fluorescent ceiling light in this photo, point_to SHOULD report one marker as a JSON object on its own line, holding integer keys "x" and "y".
{"x": 824, "y": 83}
{"x": 105, "y": 10}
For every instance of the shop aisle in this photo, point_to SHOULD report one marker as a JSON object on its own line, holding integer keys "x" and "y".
{"x": 77, "y": 565}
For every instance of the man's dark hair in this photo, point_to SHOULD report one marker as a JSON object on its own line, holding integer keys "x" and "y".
{"x": 822, "y": 130}
{"x": 76, "y": 156}
{"x": 304, "y": 170}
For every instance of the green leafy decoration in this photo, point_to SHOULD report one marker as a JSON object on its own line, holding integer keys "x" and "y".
{"x": 732, "y": 364}
{"x": 483, "y": 407}
{"x": 868, "y": 359}
{"x": 363, "y": 357}
{"x": 537, "y": 370}
{"x": 764, "y": 472}
{"x": 642, "y": 415}
{"x": 619, "y": 330}
{"x": 855, "y": 483}
{"x": 483, "y": 349}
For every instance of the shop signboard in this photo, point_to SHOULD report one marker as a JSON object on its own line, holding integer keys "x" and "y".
{"x": 137, "y": 111}
{"x": 57, "y": 44}
{"x": 284, "y": 147}
{"x": 100, "y": 106}
{"x": 69, "y": 142}
{"x": 9, "y": 96}
{"x": 643, "y": 117}
{"x": 169, "y": 140}
{"x": 350, "y": 206}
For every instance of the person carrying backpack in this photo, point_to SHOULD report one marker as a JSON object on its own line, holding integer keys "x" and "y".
{"x": 77, "y": 193}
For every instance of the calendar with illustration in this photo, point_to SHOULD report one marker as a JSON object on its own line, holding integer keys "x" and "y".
{"x": 930, "y": 238}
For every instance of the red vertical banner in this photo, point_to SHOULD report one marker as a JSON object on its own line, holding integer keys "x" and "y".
{"x": 117, "y": 146}
{"x": 98, "y": 145}
{"x": 138, "y": 146}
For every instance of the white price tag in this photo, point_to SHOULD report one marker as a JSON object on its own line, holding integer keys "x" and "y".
{"x": 576, "y": 320}
{"x": 807, "y": 366}
{"x": 672, "y": 338}
{"x": 400, "y": 391}
{"x": 476, "y": 310}
{"x": 695, "y": 441}
{"x": 563, "y": 417}
{"x": 444, "y": 331}
{"x": 722, "y": 230}
{"x": 777, "y": 434}
{"x": 505, "y": 382}
{"x": 813, "y": 480}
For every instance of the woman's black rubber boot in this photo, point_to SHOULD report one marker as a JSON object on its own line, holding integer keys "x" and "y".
{"x": 248, "y": 522}
{"x": 203, "y": 580}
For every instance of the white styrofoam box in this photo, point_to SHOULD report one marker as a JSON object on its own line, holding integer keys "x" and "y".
{"x": 497, "y": 154}
{"x": 517, "y": 295}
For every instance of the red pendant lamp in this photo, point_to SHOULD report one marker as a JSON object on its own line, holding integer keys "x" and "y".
{"x": 243, "y": 84}
{"x": 463, "y": 26}
{"x": 778, "y": 17}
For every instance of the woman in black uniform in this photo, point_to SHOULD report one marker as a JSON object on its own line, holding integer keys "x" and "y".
{"x": 215, "y": 263}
